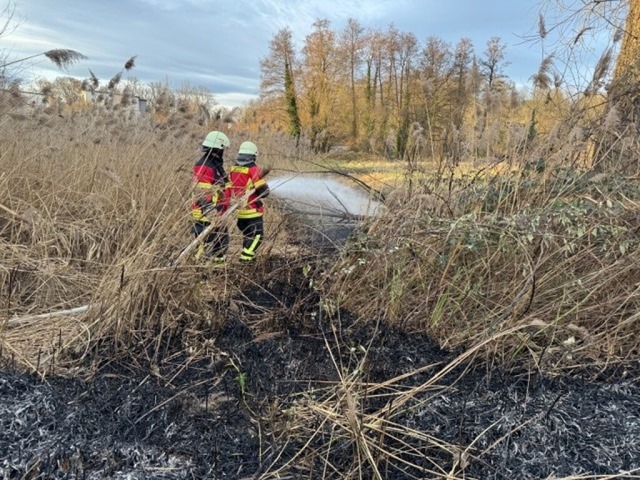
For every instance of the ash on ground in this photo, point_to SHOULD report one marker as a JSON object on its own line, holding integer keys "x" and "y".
{"x": 273, "y": 404}
{"x": 226, "y": 416}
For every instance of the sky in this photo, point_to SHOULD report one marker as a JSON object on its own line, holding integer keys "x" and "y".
{"x": 218, "y": 44}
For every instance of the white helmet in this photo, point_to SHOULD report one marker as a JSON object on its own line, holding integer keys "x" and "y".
{"x": 216, "y": 139}
{"x": 248, "y": 148}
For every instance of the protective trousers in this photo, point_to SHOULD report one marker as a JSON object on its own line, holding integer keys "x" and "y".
{"x": 252, "y": 233}
{"x": 216, "y": 243}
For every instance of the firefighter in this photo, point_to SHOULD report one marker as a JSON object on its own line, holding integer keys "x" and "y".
{"x": 246, "y": 182}
{"x": 208, "y": 183}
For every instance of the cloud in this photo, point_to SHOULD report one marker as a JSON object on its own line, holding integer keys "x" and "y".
{"x": 33, "y": 39}
{"x": 219, "y": 43}
{"x": 234, "y": 99}
{"x": 299, "y": 15}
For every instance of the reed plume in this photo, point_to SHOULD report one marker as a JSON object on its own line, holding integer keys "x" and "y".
{"x": 64, "y": 58}
{"x": 130, "y": 63}
{"x": 115, "y": 80}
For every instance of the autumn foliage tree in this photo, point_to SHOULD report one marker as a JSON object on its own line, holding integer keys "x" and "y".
{"x": 383, "y": 91}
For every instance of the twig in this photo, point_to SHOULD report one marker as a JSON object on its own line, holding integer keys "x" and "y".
{"x": 61, "y": 313}
{"x": 15, "y": 214}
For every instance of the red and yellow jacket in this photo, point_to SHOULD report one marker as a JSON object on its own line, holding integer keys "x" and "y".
{"x": 242, "y": 180}
{"x": 208, "y": 183}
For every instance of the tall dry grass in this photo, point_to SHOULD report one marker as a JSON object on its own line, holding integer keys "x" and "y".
{"x": 555, "y": 250}
{"x": 95, "y": 207}
{"x": 94, "y": 210}
{"x": 513, "y": 267}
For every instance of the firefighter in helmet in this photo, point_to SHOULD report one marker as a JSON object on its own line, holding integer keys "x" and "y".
{"x": 246, "y": 182}
{"x": 208, "y": 183}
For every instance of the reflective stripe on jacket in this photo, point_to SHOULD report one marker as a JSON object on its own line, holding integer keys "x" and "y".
{"x": 207, "y": 186}
{"x": 242, "y": 180}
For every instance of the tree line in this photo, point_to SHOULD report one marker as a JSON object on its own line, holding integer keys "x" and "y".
{"x": 384, "y": 91}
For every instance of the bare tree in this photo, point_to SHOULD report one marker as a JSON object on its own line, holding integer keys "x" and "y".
{"x": 195, "y": 99}
{"x": 493, "y": 62}
{"x": 351, "y": 43}
{"x": 161, "y": 97}
{"x": 373, "y": 55}
{"x": 8, "y": 24}
{"x": 67, "y": 89}
{"x": 320, "y": 79}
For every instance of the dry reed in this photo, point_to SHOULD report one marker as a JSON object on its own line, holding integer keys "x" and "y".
{"x": 520, "y": 268}
{"x": 558, "y": 249}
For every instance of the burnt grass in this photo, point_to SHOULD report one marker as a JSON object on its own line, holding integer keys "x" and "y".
{"x": 224, "y": 413}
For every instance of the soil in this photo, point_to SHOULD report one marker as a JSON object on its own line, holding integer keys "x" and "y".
{"x": 230, "y": 411}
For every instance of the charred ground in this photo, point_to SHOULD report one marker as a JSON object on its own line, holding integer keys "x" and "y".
{"x": 280, "y": 389}
{"x": 230, "y": 412}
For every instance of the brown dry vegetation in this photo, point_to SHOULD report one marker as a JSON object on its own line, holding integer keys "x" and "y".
{"x": 460, "y": 333}
{"x": 94, "y": 212}
{"x": 552, "y": 256}
{"x": 518, "y": 269}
